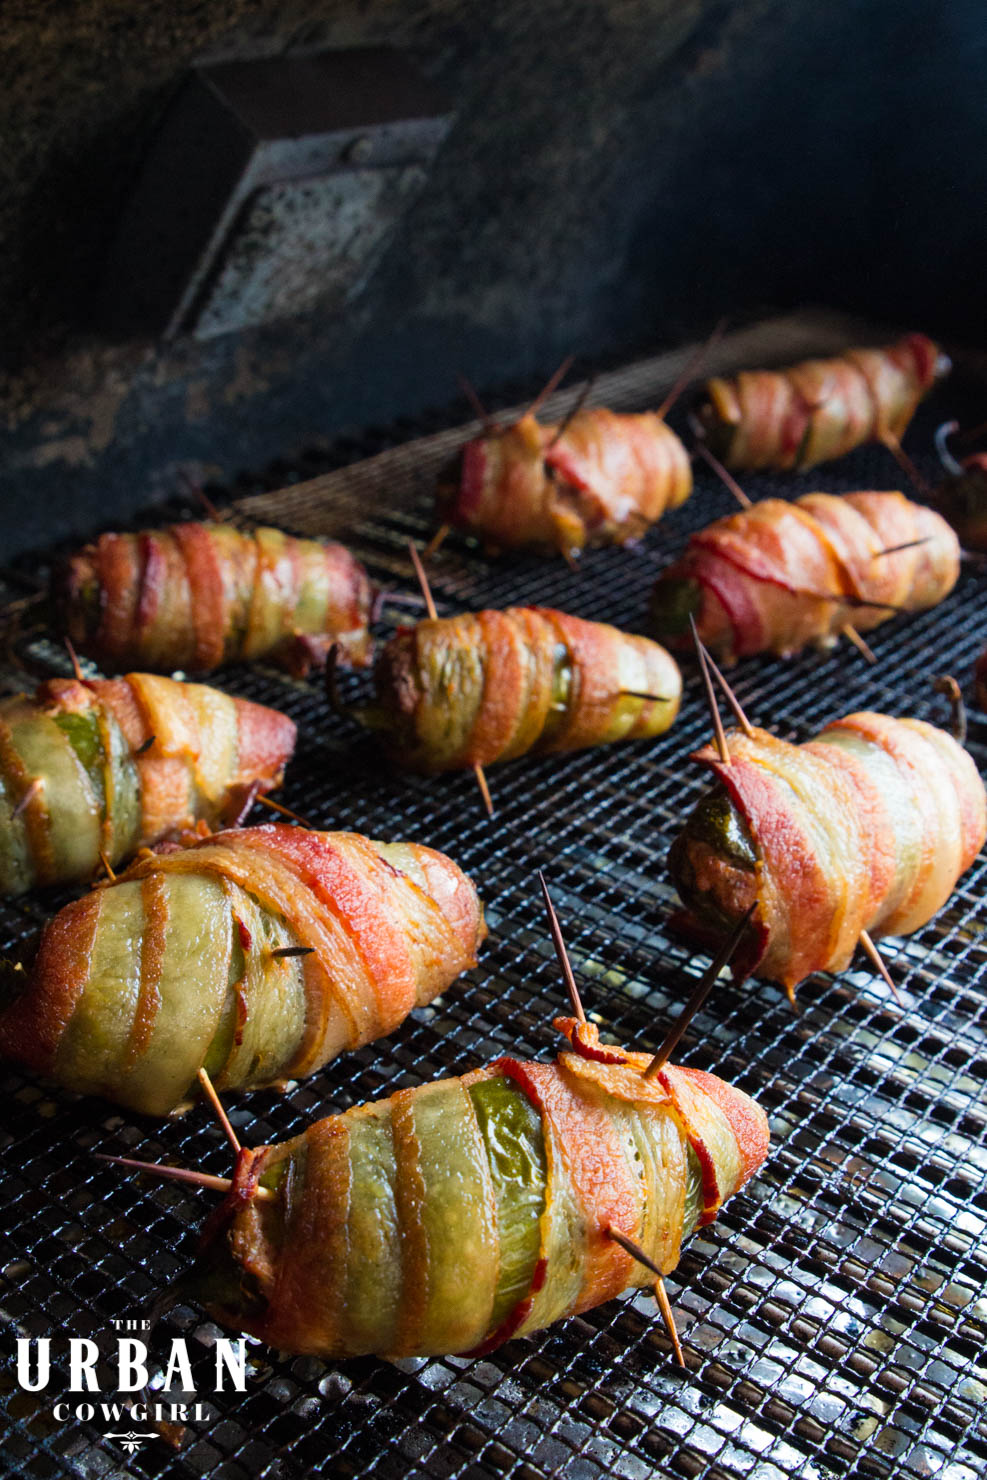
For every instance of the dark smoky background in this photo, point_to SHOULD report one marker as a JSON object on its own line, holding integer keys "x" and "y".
{"x": 618, "y": 174}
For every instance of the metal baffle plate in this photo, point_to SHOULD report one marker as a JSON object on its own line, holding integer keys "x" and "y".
{"x": 305, "y": 242}
{"x": 271, "y": 186}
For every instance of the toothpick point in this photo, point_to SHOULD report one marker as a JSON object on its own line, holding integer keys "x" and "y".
{"x": 877, "y": 960}
{"x": 221, "y": 1115}
{"x": 36, "y": 786}
{"x": 560, "y": 951}
{"x": 718, "y": 731}
{"x": 423, "y": 581}
{"x": 481, "y": 781}
{"x": 862, "y": 647}
{"x": 285, "y": 812}
{"x": 699, "y": 994}
{"x": 437, "y": 541}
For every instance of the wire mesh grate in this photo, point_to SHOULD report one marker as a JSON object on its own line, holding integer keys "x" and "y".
{"x": 833, "y": 1319}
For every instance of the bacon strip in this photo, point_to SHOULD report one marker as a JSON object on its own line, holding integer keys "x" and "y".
{"x": 603, "y": 480}
{"x": 584, "y": 1151}
{"x": 316, "y": 1232}
{"x": 32, "y": 1027}
{"x": 198, "y": 595}
{"x": 866, "y": 828}
{"x": 152, "y": 955}
{"x": 820, "y": 409}
{"x": 780, "y": 576}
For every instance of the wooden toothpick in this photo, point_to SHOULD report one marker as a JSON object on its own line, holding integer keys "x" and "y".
{"x": 36, "y": 786}
{"x": 699, "y": 995}
{"x": 423, "y": 582}
{"x": 714, "y": 710}
{"x": 481, "y": 781}
{"x": 731, "y": 697}
{"x": 106, "y": 864}
{"x": 181, "y": 1174}
{"x": 437, "y": 541}
{"x": 906, "y": 465}
{"x": 908, "y": 545}
{"x": 849, "y": 631}
{"x": 847, "y": 598}
{"x": 725, "y": 477}
{"x": 550, "y": 385}
{"x": 285, "y": 812}
{"x": 573, "y": 411}
{"x": 200, "y": 495}
{"x": 877, "y": 960}
{"x": 76, "y": 665}
{"x": 661, "y": 1295}
{"x": 561, "y": 952}
{"x": 482, "y": 414}
{"x": 426, "y": 590}
{"x": 217, "y": 1105}
{"x": 691, "y": 369}
{"x": 668, "y": 1316}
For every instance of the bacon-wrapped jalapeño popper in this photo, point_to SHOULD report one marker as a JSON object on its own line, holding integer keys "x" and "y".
{"x": 194, "y": 596}
{"x": 93, "y": 769}
{"x": 778, "y": 576}
{"x": 820, "y": 409}
{"x": 601, "y": 478}
{"x": 458, "y": 692}
{"x": 258, "y": 954}
{"x": 454, "y": 1216}
{"x": 861, "y": 832}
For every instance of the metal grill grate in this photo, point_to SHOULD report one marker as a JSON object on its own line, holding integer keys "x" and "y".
{"x": 833, "y": 1319}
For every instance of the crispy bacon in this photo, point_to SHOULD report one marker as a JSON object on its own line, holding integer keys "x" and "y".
{"x": 193, "y": 596}
{"x": 140, "y": 983}
{"x": 122, "y": 763}
{"x": 602, "y": 479}
{"x": 820, "y": 409}
{"x": 383, "y": 1236}
{"x": 780, "y": 576}
{"x": 866, "y": 828}
{"x": 468, "y": 690}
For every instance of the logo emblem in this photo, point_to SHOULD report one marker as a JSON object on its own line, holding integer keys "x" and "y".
{"x": 130, "y": 1442}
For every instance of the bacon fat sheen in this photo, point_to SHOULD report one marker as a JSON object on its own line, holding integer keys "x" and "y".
{"x": 454, "y": 1216}
{"x": 780, "y": 576}
{"x": 866, "y": 828}
{"x": 603, "y": 480}
{"x": 194, "y": 596}
{"x": 820, "y": 409}
{"x": 105, "y": 766}
{"x": 171, "y": 968}
{"x": 468, "y": 690}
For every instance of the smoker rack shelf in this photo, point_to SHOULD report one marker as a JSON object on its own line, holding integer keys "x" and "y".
{"x": 833, "y": 1319}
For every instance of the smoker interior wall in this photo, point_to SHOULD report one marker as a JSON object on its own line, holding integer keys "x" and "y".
{"x": 620, "y": 173}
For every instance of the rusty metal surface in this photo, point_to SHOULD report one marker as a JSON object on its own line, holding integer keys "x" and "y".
{"x": 833, "y": 1319}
